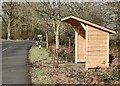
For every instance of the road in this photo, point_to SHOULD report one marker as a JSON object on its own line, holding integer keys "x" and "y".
{"x": 14, "y": 68}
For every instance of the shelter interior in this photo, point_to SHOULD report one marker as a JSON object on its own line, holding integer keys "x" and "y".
{"x": 80, "y": 35}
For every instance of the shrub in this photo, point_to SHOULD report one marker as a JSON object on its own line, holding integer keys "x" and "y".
{"x": 108, "y": 77}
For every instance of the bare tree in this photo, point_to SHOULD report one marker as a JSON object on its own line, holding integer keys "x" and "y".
{"x": 8, "y": 12}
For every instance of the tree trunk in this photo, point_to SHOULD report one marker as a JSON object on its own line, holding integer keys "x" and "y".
{"x": 57, "y": 42}
{"x": 8, "y": 31}
{"x": 69, "y": 42}
{"x": 47, "y": 39}
{"x": 53, "y": 48}
{"x": 56, "y": 26}
{"x": 57, "y": 36}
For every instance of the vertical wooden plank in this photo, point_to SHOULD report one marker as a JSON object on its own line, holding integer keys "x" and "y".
{"x": 107, "y": 50}
{"x": 81, "y": 45}
{"x": 76, "y": 36}
{"x": 84, "y": 27}
{"x": 86, "y": 50}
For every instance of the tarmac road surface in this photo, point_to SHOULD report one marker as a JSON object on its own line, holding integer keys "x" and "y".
{"x": 14, "y": 68}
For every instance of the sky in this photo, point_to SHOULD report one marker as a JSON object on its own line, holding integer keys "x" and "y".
{"x": 61, "y": 0}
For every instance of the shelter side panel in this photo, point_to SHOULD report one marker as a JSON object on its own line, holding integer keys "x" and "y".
{"x": 97, "y": 48}
{"x": 81, "y": 45}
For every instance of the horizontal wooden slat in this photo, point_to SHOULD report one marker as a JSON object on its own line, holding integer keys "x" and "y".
{"x": 96, "y": 53}
{"x": 96, "y": 41}
{"x": 97, "y": 46}
{"x": 97, "y": 37}
{"x": 97, "y": 57}
{"x": 97, "y": 33}
{"x": 96, "y": 50}
{"x": 102, "y": 55}
{"x": 102, "y": 39}
{"x": 102, "y": 61}
{"x": 100, "y": 45}
{"x": 94, "y": 29}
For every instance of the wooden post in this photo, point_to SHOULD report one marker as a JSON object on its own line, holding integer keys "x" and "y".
{"x": 86, "y": 50}
{"x": 107, "y": 50}
{"x": 76, "y": 35}
{"x": 85, "y": 27}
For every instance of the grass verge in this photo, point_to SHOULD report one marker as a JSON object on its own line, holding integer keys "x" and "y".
{"x": 39, "y": 56}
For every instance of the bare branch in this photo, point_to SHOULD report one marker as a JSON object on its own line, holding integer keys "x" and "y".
{"x": 3, "y": 19}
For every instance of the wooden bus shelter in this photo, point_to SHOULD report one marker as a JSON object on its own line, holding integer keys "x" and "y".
{"x": 91, "y": 42}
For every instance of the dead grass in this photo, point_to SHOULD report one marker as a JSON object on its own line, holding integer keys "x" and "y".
{"x": 43, "y": 72}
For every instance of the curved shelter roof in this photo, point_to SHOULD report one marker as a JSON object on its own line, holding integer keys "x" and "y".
{"x": 75, "y": 21}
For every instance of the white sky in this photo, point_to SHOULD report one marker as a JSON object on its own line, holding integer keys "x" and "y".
{"x": 61, "y": 0}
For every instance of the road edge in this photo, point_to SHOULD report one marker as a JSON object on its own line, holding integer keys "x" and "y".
{"x": 28, "y": 65}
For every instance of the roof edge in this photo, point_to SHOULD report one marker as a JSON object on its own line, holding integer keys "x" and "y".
{"x": 89, "y": 23}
